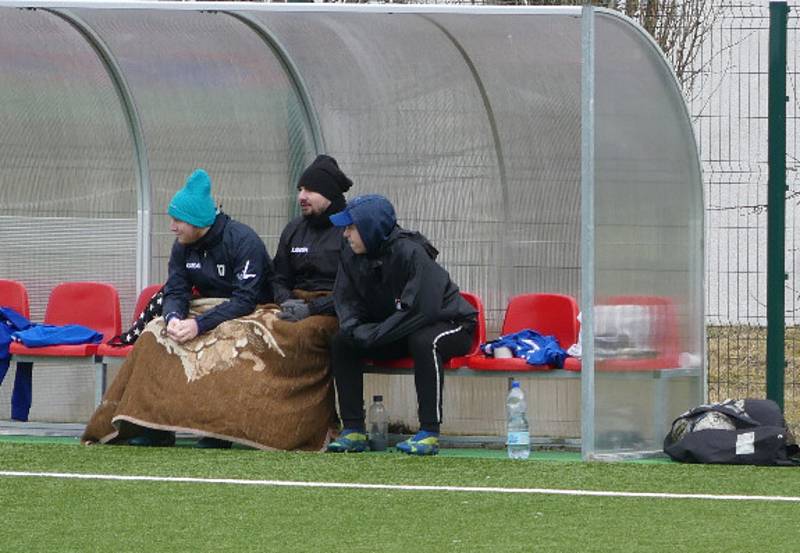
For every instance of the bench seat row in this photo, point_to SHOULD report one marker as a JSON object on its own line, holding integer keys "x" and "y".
{"x": 96, "y": 305}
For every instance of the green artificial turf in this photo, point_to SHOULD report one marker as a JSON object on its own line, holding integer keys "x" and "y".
{"x": 49, "y": 514}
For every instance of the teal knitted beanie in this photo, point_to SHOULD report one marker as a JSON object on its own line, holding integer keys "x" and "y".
{"x": 193, "y": 203}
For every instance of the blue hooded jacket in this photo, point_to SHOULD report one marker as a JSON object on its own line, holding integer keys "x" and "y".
{"x": 10, "y": 322}
{"x": 22, "y": 396}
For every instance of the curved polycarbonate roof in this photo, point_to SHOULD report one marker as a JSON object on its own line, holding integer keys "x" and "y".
{"x": 470, "y": 119}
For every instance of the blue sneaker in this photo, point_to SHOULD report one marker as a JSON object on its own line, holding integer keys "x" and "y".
{"x": 349, "y": 441}
{"x": 421, "y": 443}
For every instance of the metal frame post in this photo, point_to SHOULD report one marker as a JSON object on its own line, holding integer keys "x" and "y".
{"x": 776, "y": 203}
{"x": 587, "y": 234}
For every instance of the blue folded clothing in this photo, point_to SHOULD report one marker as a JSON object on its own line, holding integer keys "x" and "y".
{"x": 41, "y": 335}
{"x": 531, "y": 346}
{"x": 12, "y": 320}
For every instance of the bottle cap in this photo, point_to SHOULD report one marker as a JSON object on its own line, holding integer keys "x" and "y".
{"x": 377, "y": 398}
{"x": 515, "y": 383}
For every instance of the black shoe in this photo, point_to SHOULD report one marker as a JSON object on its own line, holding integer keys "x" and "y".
{"x": 212, "y": 443}
{"x": 154, "y": 438}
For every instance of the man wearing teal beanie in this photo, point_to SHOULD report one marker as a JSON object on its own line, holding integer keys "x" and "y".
{"x": 192, "y": 203}
{"x": 219, "y": 258}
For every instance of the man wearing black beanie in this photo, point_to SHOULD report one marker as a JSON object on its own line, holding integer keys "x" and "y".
{"x": 308, "y": 251}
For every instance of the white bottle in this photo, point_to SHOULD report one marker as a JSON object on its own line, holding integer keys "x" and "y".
{"x": 519, "y": 439}
{"x": 378, "y": 425}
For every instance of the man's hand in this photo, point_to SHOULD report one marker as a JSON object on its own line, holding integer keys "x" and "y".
{"x": 363, "y": 334}
{"x": 294, "y": 310}
{"x": 172, "y": 326}
{"x": 182, "y": 330}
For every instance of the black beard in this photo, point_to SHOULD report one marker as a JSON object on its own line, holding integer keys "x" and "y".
{"x": 322, "y": 220}
{"x": 318, "y": 221}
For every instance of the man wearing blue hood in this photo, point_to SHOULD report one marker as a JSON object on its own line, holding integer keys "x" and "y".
{"x": 219, "y": 258}
{"x": 393, "y": 300}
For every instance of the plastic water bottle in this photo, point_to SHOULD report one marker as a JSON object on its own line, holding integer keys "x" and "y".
{"x": 519, "y": 438}
{"x": 378, "y": 425}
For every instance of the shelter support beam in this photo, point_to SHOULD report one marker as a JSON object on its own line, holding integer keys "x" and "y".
{"x": 776, "y": 204}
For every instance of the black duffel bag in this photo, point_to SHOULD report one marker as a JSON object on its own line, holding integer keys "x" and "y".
{"x": 739, "y": 432}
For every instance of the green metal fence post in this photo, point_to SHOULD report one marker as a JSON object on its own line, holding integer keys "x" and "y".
{"x": 776, "y": 202}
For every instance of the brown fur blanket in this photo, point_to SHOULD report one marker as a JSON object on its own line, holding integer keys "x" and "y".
{"x": 256, "y": 380}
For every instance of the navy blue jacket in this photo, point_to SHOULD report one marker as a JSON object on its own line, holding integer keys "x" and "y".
{"x": 10, "y": 322}
{"x": 230, "y": 261}
{"x": 21, "y": 397}
{"x": 384, "y": 296}
{"x": 307, "y": 259}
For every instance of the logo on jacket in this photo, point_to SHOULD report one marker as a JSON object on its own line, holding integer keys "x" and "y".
{"x": 244, "y": 275}
{"x": 193, "y": 265}
{"x": 299, "y": 249}
{"x": 221, "y": 270}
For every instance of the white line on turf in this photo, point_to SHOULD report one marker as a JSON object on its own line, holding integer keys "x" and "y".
{"x": 398, "y": 487}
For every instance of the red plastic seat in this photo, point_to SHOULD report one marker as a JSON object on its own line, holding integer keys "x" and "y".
{"x": 14, "y": 295}
{"x": 91, "y": 304}
{"x": 478, "y": 338}
{"x": 104, "y": 350}
{"x": 548, "y": 314}
{"x": 664, "y": 338}
{"x": 455, "y": 362}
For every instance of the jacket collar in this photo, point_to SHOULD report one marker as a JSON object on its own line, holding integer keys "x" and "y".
{"x": 323, "y": 220}
{"x": 214, "y": 234}
{"x": 399, "y": 233}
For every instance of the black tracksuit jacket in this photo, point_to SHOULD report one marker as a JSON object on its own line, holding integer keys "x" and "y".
{"x": 383, "y": 297}
{"x": 307, "y": 259}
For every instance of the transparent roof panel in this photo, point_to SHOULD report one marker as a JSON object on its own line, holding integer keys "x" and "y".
{"x": 455, "y": 127}
{"x": 648, "y": 245}
{"x": 536, "y": 122}
{"x": 470, "y": 120}
{"x": 400, "y": 111}
{"x": 67, "y": 148}
{"x": 219, "y": 100}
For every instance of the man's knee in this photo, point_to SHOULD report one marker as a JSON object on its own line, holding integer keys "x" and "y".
{"x": 343, "y": 353}
{"x": 420, "y": 343}
{"x": 341, "y": 345}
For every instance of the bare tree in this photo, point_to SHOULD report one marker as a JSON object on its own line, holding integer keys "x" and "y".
{"x": 678, "y": 26}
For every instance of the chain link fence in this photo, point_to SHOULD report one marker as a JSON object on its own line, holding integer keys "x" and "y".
{"x": 728, "y": 102}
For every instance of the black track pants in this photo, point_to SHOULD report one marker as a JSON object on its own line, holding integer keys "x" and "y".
{"x": 430, "y": 348}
